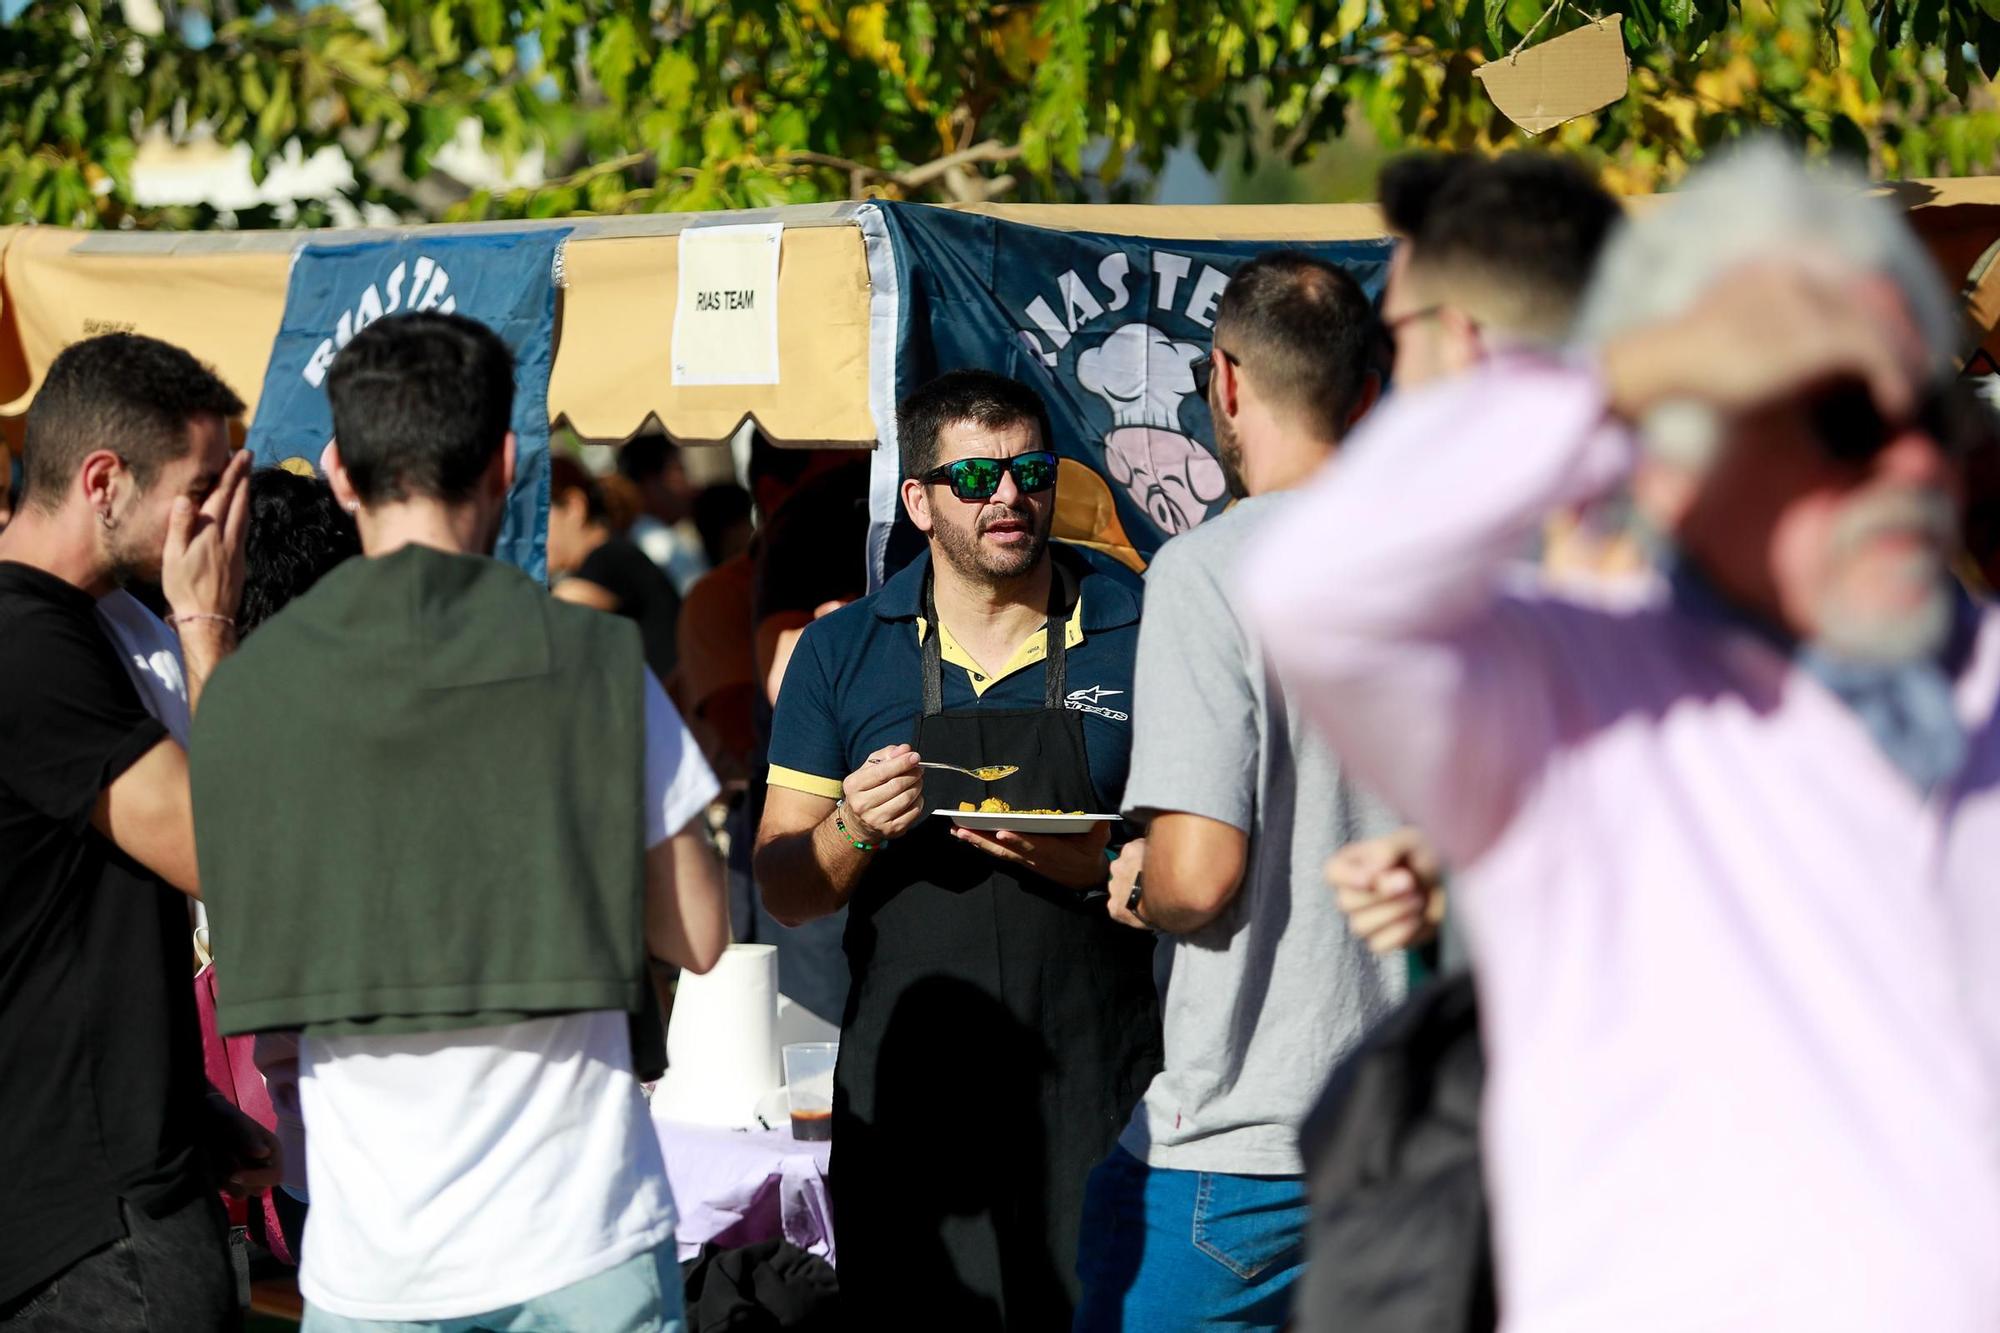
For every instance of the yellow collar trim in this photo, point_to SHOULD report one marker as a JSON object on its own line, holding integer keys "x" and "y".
{"x": 1030, "y": 652}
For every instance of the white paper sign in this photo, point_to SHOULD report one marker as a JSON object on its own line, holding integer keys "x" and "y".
{"x": 726, "y": 316}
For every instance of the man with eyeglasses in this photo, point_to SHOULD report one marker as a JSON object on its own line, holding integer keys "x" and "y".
{"x": 1726, "y": 841}
{"x": 999, "y": 1025}
{"x": 1494, "y": 258}
{"x": 1493, "y": 254}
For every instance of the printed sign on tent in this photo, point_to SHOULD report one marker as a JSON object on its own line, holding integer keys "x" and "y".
{"x": 507, "y": 282}
{"x": 1108, "y": 329}
{"x": 726, "y": 312}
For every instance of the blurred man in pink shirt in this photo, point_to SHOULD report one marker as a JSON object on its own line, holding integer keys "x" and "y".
{"x": 1726, "y": 843}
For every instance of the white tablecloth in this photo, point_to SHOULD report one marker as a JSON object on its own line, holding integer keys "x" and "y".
{"x": 737, "y": 1188}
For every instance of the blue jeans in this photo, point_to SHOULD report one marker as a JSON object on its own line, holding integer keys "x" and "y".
{"x": 641, "y": 1295}
{"x": 1166, "y": 1250}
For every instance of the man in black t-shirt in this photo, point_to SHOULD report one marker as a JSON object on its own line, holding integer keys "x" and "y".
{"x": 109, "y": 1137}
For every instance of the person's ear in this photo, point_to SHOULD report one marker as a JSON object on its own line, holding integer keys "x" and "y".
{"x": 507, "y": 460}
{"x": 336, "y": 475}
{"x": 1228, "y": 384}
{"x": 917, "y": 504}
{"x": 1466, "y": 338}
{"x": 99, "y": 480}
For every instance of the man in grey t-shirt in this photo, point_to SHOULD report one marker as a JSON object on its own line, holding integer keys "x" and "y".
{"x": 1197, "y": 1218}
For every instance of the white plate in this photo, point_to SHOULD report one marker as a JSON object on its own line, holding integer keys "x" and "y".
{"x": 1024, "y": 823}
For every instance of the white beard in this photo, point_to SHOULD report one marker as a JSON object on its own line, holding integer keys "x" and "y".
{"x": 1852, "y": 635}
{"x": 1858, "y": 635}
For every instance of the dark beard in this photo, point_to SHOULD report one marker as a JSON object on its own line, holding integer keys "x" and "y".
{"x": 1232, "y": 476}
{"x": 131, "y": 569}
{"x": 963, "y": 552}
{"x": 1231, "y": 459}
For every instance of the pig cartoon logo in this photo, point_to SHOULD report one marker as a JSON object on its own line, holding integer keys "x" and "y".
{"x": 1144, "y": 376}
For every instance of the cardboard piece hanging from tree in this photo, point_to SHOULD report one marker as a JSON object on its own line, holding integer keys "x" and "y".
{"x": 1565, "y": 77}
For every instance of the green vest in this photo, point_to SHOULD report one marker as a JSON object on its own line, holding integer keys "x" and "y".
{"x": 418, "y": 805}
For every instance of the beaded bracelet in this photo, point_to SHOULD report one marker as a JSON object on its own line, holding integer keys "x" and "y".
{"x": 841, "y": 825}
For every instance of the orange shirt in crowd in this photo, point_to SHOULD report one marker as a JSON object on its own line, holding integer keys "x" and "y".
{"x": 718, "y": 668}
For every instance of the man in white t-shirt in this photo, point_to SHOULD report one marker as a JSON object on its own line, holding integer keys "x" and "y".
{"x": 151, "y": 653}
{"x": 459, "y": 944}
{"x": 498, "y": 1167}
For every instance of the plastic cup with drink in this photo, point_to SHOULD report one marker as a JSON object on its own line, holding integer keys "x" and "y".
{"x": 809, "y": 1087}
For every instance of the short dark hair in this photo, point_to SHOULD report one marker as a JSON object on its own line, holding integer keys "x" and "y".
{"x": 421, "y": 405}
{"x": 125, "y": 392}
{"x": 1306, "y": 332}
{"x": 976, "y": 396}
{"x": 566, "y": 475}
{"x": 646, "y": 456}
{"x": 298, "y": 532}
{"x": 1527, "y": 226}
{"x": 716, "y": 510}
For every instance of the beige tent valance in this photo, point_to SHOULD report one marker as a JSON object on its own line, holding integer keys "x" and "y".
{"x": 221, "y": 294}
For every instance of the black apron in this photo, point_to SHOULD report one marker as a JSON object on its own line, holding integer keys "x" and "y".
{"x": 999, "y": 1030}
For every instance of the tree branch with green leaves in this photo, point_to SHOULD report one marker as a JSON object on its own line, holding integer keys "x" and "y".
{"x": 712, "y": 104}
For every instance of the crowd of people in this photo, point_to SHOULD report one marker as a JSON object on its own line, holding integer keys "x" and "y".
{"x": 1540, "y": 883}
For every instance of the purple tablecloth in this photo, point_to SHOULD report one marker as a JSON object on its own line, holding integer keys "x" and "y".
{"x": 737, "y": 1188}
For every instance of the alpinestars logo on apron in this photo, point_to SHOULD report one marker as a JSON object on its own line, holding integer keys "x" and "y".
{"x": 1091, "y": 701}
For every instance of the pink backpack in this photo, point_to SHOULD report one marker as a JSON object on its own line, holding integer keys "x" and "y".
{"x": 233, "y": 1071}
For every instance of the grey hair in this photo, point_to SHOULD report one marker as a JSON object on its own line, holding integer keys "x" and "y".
{"x": 1759, "y": 201}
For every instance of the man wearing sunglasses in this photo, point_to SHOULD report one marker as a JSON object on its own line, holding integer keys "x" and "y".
{"x": 1726, "y": 842}
{"x": 999, "y": 1025}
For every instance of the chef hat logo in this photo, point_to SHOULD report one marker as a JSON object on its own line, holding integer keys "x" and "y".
{"x": 1145, "y": 376}
{"x": 1142, "y": 373}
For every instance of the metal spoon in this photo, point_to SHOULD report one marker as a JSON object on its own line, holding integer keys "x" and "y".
{"x": 990, "y": 773}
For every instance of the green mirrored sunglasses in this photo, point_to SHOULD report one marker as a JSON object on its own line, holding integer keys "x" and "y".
{"x": 979, "y": 478}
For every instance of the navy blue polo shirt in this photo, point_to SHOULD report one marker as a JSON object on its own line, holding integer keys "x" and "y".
{"x": 855, "y": 682}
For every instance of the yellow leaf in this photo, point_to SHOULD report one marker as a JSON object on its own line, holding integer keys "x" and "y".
{"x": 1856, "y": 107}
{"x": 1680, "y": 113}
{"x": 1014, "y": 41}
{"x": 1353, "y": 13}
{"x": 814, "y": 12}
{"x": 1719, "y": 89}
{"x": 867, "y": 37}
